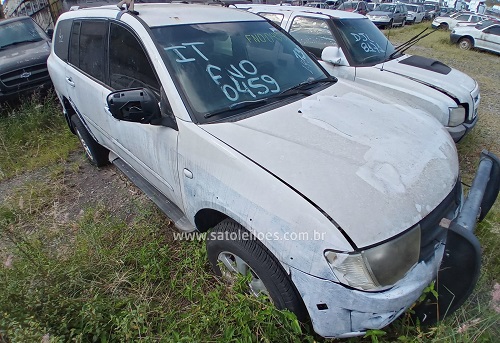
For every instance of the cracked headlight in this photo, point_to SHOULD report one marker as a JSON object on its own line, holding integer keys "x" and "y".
{"x": 457, "y": 116}
{"x": 378, "y": 267}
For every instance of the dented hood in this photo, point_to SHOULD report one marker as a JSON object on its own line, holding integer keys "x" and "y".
{"x": 433, "y": 73}
{"x": 376, "y": 169}
{"x": 24, "y": 55}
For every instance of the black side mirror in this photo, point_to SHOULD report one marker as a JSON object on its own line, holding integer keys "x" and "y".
{"x": 136, "y": 105}
{"x": 50, "y": 33}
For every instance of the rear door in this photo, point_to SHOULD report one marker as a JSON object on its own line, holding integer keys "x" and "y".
{"x": 490, "y": 38}
{"x": 85, "y": 76}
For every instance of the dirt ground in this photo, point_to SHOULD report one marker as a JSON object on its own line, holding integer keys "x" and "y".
{"x": 80, "y": 186}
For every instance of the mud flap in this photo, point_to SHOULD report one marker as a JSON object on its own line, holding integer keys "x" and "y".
{"x": 457, "y": 277}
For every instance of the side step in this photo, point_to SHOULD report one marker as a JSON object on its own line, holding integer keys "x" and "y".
{"x": 165, "y": 205}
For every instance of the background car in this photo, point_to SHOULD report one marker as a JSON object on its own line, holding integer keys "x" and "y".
{"x": 24, "y": 49}
{"x": 415, "y": 14}
{"x": 354, "y": 6}
{"x": 448, "y": 23}
{"x": 485, "y": 36}
{"x": 431, "y": 10}
{"x": 389, "y": 15}
{"x": 317, "y": 4}
{"x": 366, "y": 56}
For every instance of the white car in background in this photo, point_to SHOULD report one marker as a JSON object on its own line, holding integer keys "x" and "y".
{"x": 485, "y": 36}
{"x": 351, "y": 47}
{"x": 449, "y": 23}
{"x": 415, "y": 14}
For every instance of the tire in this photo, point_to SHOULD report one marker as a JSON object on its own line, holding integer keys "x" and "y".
{"x": 96, "y": 153}
{"x": 465, "y": 43}
{"x": 390, "y": 25}
{"x": 443, "y": 26}
{"x": 231, "y": 253}
{"x": 403, "y": 23}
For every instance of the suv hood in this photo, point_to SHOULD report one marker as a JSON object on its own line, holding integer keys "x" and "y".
{"x": 375, "y": 168}
{"x": 22, "y": 55}
{"x": 432, "y": 73}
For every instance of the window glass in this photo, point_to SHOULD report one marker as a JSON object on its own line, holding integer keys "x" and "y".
{"x": 61, "y": 39}
{"x": 129, "y": 66}
{"x": 313, "y": 33}
{"x": 19, "y": 31}
{"x": 74, "y": 44}
{"x": 92, "y": 48}
{"x": 222, "y": 69}
{"x": 494, "y": 30}
{"x": 463, "y": 17}
{"x": 365, "y": 45}
{"x": 274, "y": 17}
{"x": 386, "y": 8}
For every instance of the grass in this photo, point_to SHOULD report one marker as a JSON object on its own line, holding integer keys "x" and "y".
{"x": 33, "y": 135}
{"x": 112, "y": 278}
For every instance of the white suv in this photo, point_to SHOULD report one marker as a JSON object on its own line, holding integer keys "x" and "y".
{"x": 331, "y": 202}
{"x": 349, "y": 46}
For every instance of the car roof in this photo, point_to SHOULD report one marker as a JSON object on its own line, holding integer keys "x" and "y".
{"x": 165, "y": 14}
{"x": 331, "y": 13}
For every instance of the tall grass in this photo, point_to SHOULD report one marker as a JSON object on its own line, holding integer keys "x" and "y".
{"x": 33, "y": 134}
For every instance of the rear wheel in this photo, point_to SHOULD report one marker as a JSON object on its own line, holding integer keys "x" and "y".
{"x": 465, "y": 43}
{"x": 233, "y": 251}
{"x": 96, "y": 153}
{"x": 443, "y": 26}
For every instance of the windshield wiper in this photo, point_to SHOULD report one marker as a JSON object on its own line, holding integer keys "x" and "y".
{"x": 20, "y": 42}
{"x": 302, "y": 88}
{"x": 237, "y": 106}
{"x": 400, "y": 49}
{"x": 298, "y": 89}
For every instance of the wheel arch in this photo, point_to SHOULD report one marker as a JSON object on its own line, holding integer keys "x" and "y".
{"x": 68, "y": 111}
{"x": 469, "y": 38}
{"x": 207, "y": 218}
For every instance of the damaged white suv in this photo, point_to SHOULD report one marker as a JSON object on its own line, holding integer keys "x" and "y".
{"x": 331, "y": 202}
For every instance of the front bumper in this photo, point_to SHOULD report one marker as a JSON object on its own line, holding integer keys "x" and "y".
{"x": 454, "y": 38}
{"x": 459, "y": 132}
{"x": 338, "y": 311}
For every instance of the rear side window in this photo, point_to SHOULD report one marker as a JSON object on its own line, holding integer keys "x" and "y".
{"x": 129, "y": 65}
{"x": 61, "y": 39}
{"x": 92, "y": 48}
{"x": 74, "y": 50}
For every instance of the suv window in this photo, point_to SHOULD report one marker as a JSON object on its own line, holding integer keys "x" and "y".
{"x": 129, "y": 66}
{"x": 87, "y": 47}
{"x": 313, "y": 33}
{"x": 61, "y": 39}
{"x": 463, "y": 17}
{"x": 274, "y": 17}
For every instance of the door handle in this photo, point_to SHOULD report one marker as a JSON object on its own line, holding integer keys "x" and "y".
{"x": 69, "y": 80}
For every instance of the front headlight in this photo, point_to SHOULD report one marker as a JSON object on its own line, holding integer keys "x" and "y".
{"x": 457, "y": 116}
{"x": 379, "y": 267}
{"x": 385, "y": 17}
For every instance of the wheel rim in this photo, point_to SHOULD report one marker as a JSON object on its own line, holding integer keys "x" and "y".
{"x": 231, "y": 265}
{"x": 464, "y": 45}
{"x": 85, "y": 146}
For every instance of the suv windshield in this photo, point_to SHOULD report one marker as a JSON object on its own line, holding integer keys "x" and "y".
{"x": 19, "y": 31}
{"x": 411, "y": 8}
{"x": 385, "y": 8}
{"x": 366, "y": 44}
{"x": 225, "y": 67}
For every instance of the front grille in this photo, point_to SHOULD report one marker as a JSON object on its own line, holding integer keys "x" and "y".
{"x": 431, "y": 232}
{"x": 25, "y": 76}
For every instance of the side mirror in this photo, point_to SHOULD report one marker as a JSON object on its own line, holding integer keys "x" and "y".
{"x": 334, "y": 55}
{"x": 50, "y": 33}
{"x": 136, "y": 105}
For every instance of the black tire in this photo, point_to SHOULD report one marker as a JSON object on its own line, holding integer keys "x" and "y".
{"x": 465, "y": 43}
{"x": 390, "y": 25}
{"x": 228, "y": 237}
{"x": 96, "y": 153}
{"x": 443, "y": 26}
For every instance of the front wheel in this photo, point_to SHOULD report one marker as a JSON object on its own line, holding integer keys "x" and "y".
{"x": 465, "y": 43}
{"x": 233, "y": 251}
{"x": 96, "y": 153}
{"x": 443, "y": 26}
